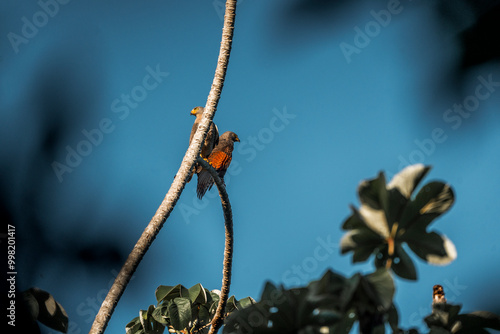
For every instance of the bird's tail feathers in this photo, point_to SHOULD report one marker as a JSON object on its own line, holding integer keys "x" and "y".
{"x": 205, "y": 182}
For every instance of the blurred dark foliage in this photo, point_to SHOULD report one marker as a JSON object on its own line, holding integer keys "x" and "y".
{"x": 475, "y": 24}
{"x": 481, "y": 42}
{"x": 59, "y": 102}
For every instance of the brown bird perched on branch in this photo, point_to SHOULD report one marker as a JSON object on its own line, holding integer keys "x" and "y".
{"x": 211, "y": 140}
{"x": 220, "y": 159}
{"x": 438, "y": 295}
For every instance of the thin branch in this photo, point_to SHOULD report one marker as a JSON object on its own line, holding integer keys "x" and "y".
{"x": 228, "y": 250}
{"x": 173, "y": 194}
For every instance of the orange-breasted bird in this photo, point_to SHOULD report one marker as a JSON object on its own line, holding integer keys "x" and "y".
{"x": 220, "y": 159}
{"x": 211, "y": 140}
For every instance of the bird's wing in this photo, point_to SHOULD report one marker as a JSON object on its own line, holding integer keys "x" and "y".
{"x": 220, "y": 160}
{"x": 216, "y": 141}
{"x": 193, "y": 130}
{"x": 209, "y": 144}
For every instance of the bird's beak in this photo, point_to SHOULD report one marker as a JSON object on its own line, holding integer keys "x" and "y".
{"x": 237, "y": 139}
{"x": 193, "y": 112}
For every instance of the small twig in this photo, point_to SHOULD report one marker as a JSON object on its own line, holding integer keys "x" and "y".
{"x": 391, "y": 244}
{"x": 228, "y": 250}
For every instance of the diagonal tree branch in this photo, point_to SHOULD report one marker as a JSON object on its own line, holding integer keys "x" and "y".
{"x": 173, "y": 194}
{"x": 228, "y": 248}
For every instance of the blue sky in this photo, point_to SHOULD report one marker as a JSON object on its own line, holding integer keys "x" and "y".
{"x": 313, "y": 122}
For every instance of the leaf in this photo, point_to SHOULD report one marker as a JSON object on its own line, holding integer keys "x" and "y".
{"x": 405, "y": 267}
{"x": 476, "y": 331}
{"x": 350, "y": 287}
{"x": 381, "y": 256}
{"x": 213, "y": 308}
{"x": 451, "y": 253}
{"x": 383, "y": 285}
{"x": 332, "y": 291}
{"x": 158, "y": 327}
{"x": 376, "y": 220}
{"x": 354, "y": 221}
{"x": 366, "y": 238}
{"x": 161, "y": 313}
{"x": 164, "y": 292}
{"x": 230, "y": 304}
{"x": 161, "y": 291}
{"x": 438, "y": 330}
{"x": 408, "y": 179}
{"x": 488, "y": 319}
{"x": 430, "y": 247}
{"x": 204, "y": 315}
{"x": 478, "y": 319}
{"x": 346, "y": 322}
{"x": 361, "y": 254}
{"x": 50, "y": 312}
{"x": 270, "y": 292}
{"x": 197, "y": 294}
{"x": 134, "y": 326}
{"x": 325, "y": 317}
{"x": 245, "y": 302}
{"x": 253, "y": 319}
{"x": 180, "y": 313}
{"x": 393, "y": 318}
{"x": 292, "y": 311}
{"x": 352, "y": 240}
{"x": 31, "y": 304}
{"x": 434, "y": 199}
{"x": 373, "y": 193}
{"x": 214, "y": 296}
{"x": 278, "y": 311}
{"x": 452, "y": 310}
{"x": 144, "y": 317}
{"x": 442, "y": 315}
{"x": 396, "y": 206}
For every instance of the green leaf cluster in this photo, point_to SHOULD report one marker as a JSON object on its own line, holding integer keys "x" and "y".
{"x": 329, "y": 305}
{"x": 182, "y": 310}
{"x": 390, "y": 217}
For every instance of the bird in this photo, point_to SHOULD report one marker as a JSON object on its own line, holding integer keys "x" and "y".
{"x": 438, "y": 295}
{"x": 211, "y": 140}
{"x": 220, "y": 159}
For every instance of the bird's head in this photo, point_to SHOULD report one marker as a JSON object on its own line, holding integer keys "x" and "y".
{"x": 197, "y": 111}
{"x": 231, "y": 136}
